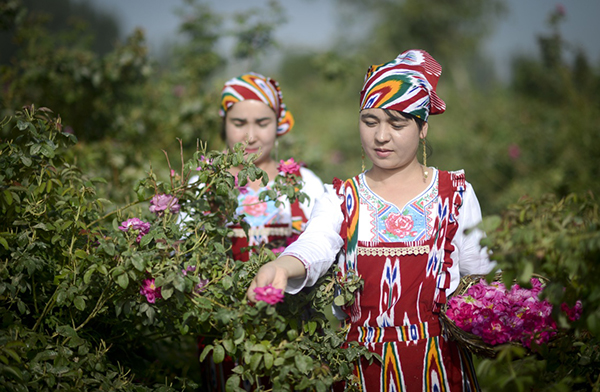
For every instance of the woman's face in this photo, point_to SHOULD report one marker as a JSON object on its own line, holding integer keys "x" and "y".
{"x": 390, "y": 143}
{"x": 254, "y": 124}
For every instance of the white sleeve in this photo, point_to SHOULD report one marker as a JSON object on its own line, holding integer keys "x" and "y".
{"x": 319, "y": 244}
{"x": 314, "y": 189}
{"x": 469, "y": 256}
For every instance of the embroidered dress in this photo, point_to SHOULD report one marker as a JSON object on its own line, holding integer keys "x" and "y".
{"x": 405, "y": 257}
{"x": 272, "y": 226}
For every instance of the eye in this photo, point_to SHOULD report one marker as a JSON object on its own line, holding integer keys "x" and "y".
{"x": 264, "y": 123}
{"x": 397, "y": 127}
{"x": 238, "y": 123}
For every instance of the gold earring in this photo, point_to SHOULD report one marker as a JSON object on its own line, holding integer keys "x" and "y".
{"x": 425, "y": 172}
{"x": 362, "y": 159}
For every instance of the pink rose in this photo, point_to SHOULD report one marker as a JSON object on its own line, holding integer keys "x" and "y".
{"x": 269, "y": 294}
{"x": 150, "y": 290}
{"x": 399, "y": 225}
{"x": 253, "y": 206}
{"x": 573, "y": 313}
{"x": 289, "y": 167}
{"x": 162, "y": 202}
{"x": 135, "y": 225}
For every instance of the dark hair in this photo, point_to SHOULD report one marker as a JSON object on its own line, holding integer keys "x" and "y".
{"x": 223, "y": 132}
{"x": 393, "y": 114}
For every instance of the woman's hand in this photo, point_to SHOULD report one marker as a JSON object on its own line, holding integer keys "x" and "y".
{"x": 276, "y": 273}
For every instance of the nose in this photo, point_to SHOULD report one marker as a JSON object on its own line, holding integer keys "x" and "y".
{"x": 251, "y": 135}
{"x": 382, "y": 135}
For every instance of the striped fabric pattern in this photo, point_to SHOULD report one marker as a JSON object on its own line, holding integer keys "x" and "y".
{"x": 406, "y": 84}
{"x": 257, "y": 87}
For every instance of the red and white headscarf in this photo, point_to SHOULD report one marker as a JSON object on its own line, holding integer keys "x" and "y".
{"x": 406, "y": 84}
{"x": 259, "y": 88}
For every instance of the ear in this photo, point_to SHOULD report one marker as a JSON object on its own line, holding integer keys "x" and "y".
{"x": 423, "y": 133}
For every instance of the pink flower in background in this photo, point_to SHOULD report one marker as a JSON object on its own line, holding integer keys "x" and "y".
{"x": 253, "y": 206}
{"x": 573, "y": 313}
{"x": 200, "y": 287}
{"x": 269, "y": 294}
{"x": 514, "y": 152}
{"x": 135, "y": 225}
{"x": 190, "y": 268}
{"x": 289, "y": 167}
{"x": 277, "y": 251}
{"x": 561, "y": 10}
{"x": 399, "y": 225}
{"x": 161, "y": 203}
{"x": 150, "y": 291}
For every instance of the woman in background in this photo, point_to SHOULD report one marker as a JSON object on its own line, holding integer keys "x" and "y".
{"x": 254, "y": 114}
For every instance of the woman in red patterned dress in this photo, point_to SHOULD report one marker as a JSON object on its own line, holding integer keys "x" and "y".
{"x": 401, "y": 227}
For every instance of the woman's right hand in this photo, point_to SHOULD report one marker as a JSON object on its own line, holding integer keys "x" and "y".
{"x": 276, "y": 273}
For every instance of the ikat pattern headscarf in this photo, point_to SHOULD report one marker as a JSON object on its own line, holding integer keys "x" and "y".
{"x": 257, "y": 87}
{"x": 406, "y": 84}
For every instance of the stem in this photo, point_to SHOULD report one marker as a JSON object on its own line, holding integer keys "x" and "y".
{"x": 113, "y": 212}
{"x": 47, "y": 308}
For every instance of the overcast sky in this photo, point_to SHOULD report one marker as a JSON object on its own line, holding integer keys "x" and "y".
{"x": 312, "y": 23}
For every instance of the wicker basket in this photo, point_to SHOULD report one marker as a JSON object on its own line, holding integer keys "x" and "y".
{"x": 470, "y": 341}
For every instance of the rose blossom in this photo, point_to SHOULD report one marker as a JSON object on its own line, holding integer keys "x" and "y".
{"x": 269, "y": 294}
{"x": 399, "y": 225}
{"x": 150, "y": 290}
{"x": 200, "y": 287}
{"x": 135, "y": 225}
{"x": 499, "y": 315}
{"x": 289, "y": 167}
{"x": 162, "y": 202}
{"x": 573, "y": 313}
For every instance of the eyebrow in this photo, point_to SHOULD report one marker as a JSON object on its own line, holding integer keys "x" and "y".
{"x": 367, "y": 116}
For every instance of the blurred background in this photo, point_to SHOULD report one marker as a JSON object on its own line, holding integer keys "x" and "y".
{"x": 137, "y": 79}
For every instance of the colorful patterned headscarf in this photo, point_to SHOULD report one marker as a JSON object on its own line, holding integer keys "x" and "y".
{"x": 406, "y": 84}
{"x": 259, "y": 88}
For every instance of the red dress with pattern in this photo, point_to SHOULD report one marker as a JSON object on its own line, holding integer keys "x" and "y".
{"x": 396, "y": 313}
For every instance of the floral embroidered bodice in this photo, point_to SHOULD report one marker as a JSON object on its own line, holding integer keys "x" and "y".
{"x": 259, "y": 213}
{"x": 390, "y": 223}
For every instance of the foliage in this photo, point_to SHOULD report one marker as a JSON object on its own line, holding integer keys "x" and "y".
{"x": 86, "y": 297}
{"x": 558, "y": 239}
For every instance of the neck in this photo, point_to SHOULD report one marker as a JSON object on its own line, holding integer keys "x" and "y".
{"x": 406, "y": 173}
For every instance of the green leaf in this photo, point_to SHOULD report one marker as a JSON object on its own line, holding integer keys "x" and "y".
{"x": 207, "y": 349}
{"x": 138, "y": 261}
{"x": 205, "y": 303}
{"x": 4, "y": 243}
{"x": 47, "y": 151}
{"x": 233, "y": 383}
{"x": 79, "y": 302}
{"x": 80, "y": 254}
{"x": 7, "y": 196}
{"x": 166, "y": 291}
{"x": 228, "y": 344}
{"x": 26, "y": 161}
{"x": 255, "y": 361}
{"x": 268, "y": 357}
{"x": 146, "y": 239}
{"x": 218, "y": 354}
{"x": 339, "y": 300}
{"x": 303, "y": 363}
{"x": 87, "y": 277}
{"x": 123, "y": 280}
{"x": 22, "y": 125}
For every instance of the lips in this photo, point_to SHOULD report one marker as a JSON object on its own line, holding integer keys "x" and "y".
{"x": 382, "y": 153}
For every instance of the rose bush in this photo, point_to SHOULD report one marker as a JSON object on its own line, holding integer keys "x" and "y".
{"x": 96, "y": 300}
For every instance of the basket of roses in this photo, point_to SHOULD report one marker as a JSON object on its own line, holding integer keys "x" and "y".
{"x": 481, "y": 315}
